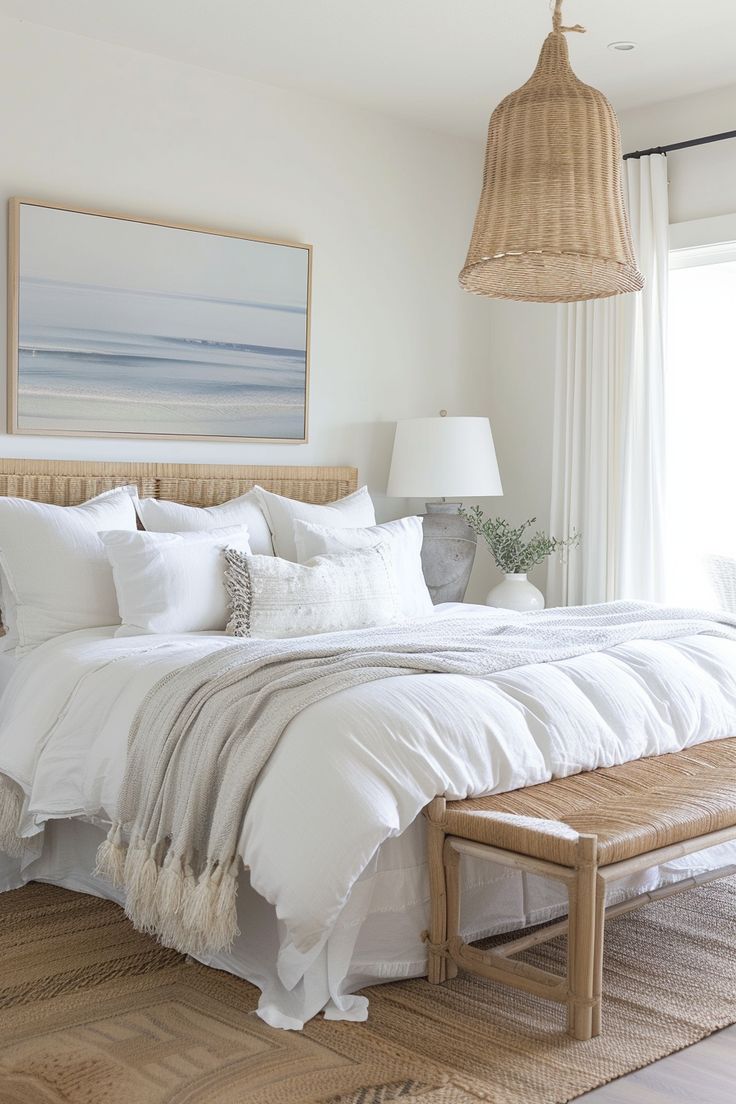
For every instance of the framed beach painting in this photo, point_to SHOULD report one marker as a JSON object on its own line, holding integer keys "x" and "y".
{"x": 130, "y": 327}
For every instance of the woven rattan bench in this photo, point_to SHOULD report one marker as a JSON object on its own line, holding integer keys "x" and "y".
{"x": 587, "y": 831}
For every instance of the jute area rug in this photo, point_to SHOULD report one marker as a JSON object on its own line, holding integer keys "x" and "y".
{"x": 91, "y": 1012}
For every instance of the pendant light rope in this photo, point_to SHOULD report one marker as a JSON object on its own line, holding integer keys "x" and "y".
{"x": 557, "y": 21}
{"x": 551, "y": 225}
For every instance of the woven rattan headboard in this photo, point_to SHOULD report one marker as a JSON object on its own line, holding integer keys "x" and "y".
{"x": 69, "y": 482}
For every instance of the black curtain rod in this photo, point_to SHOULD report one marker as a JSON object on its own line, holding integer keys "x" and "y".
{"x": 683, "y": 145}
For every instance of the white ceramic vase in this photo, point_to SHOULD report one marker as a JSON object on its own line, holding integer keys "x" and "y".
{"x": 516, "y": 593}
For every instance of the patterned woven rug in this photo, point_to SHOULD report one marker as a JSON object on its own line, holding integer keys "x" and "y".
{"x": 91, "y": 1012}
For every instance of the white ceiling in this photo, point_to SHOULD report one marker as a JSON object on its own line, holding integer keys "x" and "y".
{"x": 440, "y": 63}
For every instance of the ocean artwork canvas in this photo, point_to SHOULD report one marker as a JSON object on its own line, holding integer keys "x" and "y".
{"x": 123, "y": 327}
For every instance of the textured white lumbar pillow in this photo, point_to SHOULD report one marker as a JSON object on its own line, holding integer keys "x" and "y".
{"x": 281, "y": 513}
{"x": 162, "y": 516}
{"x": 172, "y": 582}
{"x": 56, "y": 577}
{"x": 402, "y": 540}
{"x": 276, "y": 598}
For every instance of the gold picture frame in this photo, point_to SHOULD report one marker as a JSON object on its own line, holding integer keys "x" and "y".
{"x": 87, "y": 289}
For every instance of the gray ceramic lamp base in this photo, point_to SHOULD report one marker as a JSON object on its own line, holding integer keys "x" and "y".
{"x": 448, "y": 552}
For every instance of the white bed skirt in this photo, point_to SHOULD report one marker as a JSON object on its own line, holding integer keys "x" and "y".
{"x": 378, "y": 935}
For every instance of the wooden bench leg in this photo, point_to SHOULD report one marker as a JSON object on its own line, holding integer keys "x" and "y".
{"x": 437, "y": 935}
{"x": 600, "y": 926}
{"x": 582, "y": 954}
{"x": 452, "y": 879}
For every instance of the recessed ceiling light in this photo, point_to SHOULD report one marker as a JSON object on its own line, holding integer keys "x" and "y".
{"x": 621, "y": 45}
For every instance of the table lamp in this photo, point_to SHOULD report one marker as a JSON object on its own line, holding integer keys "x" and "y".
{"x": 445, "y": 458}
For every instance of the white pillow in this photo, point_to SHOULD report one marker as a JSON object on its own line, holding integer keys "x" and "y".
{"x": 281, "y": 513}
{"x": 172, "y": 582}
{"x": 56, "y": 577}
{"x": 402, "y": 540}
{"x": 274, "y": 598}
{"x": 8, "y": 615}
{"x": 162, "y": 516}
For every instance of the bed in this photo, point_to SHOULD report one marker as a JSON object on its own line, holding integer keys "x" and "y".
{"x": 333, "y": 894}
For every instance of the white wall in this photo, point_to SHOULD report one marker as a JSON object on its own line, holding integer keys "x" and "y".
{"x": 518, "y": 389}
{"x": 702, "y": 179}
{"x": 388, "y": 208}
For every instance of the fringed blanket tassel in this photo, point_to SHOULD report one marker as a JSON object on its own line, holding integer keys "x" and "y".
{"x": 195, "y": 915}
{"x": 11, "y": 807}
{"x": 110, "y": 863}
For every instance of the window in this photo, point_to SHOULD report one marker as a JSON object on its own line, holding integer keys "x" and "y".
{"x": 701, "y": 425}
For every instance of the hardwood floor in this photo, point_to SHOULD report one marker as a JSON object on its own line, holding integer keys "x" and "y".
{"x": 703, "y": 1074}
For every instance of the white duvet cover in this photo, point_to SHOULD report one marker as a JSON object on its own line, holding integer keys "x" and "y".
{"x": 330, "y": 835}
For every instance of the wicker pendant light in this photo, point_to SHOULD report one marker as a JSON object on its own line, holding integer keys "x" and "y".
{"x": 551, "y": 225}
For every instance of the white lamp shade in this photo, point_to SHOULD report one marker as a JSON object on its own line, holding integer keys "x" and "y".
{"x": 444, "y": 458}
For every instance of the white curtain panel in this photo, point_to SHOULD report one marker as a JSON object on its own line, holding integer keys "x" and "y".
{"x": 609, "y": 431}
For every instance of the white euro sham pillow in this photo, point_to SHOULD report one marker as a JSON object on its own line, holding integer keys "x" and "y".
{"x": 354, "y": 510}
{"x": 160, "y": 515}
{"x": 9, "y": 627}
{"x": 172, "y": 582}
{"x": 402, "y": 540}
{"x": 55, "y": 575}
{"x": 274, "y": 598}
